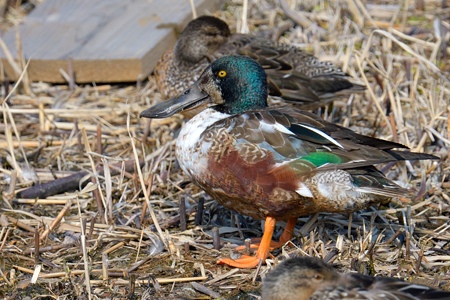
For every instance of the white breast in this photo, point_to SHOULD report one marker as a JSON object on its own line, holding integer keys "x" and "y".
{"x": 192, "y": 157}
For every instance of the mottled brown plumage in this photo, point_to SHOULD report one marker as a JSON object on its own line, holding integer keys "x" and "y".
{"x": 293, "y": 74}
{"x": 309, "y": 278}
{"x": 274, "y": 163}
{"x": 262, "y": 168}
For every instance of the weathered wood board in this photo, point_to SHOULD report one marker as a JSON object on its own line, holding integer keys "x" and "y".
{"x": 105, "y": 40}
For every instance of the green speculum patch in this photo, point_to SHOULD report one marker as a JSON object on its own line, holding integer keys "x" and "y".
{"x": 321, "y": 158}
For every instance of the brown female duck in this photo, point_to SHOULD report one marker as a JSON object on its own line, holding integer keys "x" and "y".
{"x": 293, "y": 74}
{"x": 303, "y": 278}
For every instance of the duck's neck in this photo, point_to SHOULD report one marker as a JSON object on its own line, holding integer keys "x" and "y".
{"x": 242, "y": 98}
{"x": 188, "y": 53}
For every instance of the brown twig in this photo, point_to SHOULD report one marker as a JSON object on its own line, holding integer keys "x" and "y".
{"x": 56, "y": 220}
{"x": 200, "y": 209}
{"x": 69, "y": 183}
{"x": 216, "y": 238}
{"x": 203, "y": 289}
{"x": 182, "y": 209}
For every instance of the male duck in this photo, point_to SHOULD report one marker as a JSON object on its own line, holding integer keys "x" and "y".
{"x": 273, "y": 163}
{"x": 303, "y": 278}
{"x": 292, "y": 74}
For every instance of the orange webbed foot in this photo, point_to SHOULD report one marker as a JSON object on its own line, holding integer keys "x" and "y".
{"x": 244, "y": 262}
{"x": 256, "y": 242}
{"x": 264, "y": 246}
{"x": 285, "y": 237}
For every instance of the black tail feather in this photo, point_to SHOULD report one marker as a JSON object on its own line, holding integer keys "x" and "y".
{"x": 408, "y": 155}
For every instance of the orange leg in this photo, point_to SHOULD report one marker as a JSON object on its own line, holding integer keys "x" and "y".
{"x": 264, "y": 245}
{"x": 284, "y": 238}
{"x": 286, "y": 235}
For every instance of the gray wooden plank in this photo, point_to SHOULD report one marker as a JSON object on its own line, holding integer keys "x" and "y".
{"x": 107, "y": 40}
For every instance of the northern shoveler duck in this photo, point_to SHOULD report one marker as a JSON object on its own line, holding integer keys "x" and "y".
{"x": 293, "y": 75}
{"x": 273, "y": 163}
{"x": 303, "y": 278}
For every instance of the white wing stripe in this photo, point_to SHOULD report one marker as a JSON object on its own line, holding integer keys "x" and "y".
{"x": 322, "y": 134}
{"x": 283, "y": 129}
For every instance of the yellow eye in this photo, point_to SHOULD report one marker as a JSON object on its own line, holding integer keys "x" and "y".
{"x": 222, "y": 73}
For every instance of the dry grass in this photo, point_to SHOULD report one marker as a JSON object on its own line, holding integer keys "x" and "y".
{"x": 97, "y": 238}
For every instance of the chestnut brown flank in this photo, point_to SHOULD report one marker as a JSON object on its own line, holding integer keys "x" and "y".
{"x": 254, "y": 185}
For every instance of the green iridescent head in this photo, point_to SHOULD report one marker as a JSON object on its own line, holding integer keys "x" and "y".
{"x": 238, "y": 83}
{"x": 231, "y": 84}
